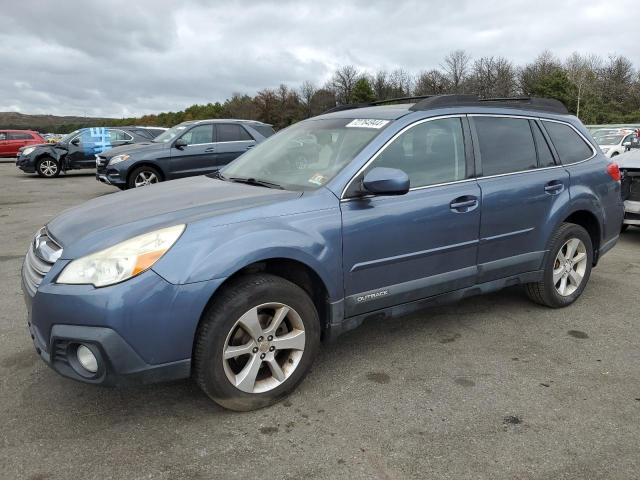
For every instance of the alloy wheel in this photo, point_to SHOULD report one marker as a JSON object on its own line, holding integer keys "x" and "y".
{"x": 264, "y": 347}
{"x": 48, "y": 168}
{"x": 570, "y": 267}
{"x": 145, "y": 178}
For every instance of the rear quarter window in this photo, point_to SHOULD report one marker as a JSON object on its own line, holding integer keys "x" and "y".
{"x": 570, "y": 146}
{"x": 264, "y": 130}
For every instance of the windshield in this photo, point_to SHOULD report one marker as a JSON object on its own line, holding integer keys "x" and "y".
{"x": 69, "y": 136}
{"x": 306, "y": 155}
{"x": 172, "y": 133}
{"x": 610, "y": 140}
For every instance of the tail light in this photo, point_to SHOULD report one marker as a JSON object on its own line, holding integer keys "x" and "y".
{"x": 614, "y": 171}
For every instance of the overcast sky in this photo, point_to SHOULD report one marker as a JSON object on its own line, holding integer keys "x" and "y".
{"x": 125, "y": 58}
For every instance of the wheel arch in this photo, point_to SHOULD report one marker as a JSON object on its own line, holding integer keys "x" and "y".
{"x": 589, "y": 221}
{"x": 146, "y": 163}
{"x": 293, "y": 270}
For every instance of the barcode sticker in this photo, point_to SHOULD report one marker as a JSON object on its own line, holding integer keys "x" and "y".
{"x": 367, "y": 123}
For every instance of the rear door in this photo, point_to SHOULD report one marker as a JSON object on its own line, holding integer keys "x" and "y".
{"x": 522, "y": 185}
{"x": 198, "y": 157}
{"x": 232, "y": 141}
{"x": 398, "y": 249}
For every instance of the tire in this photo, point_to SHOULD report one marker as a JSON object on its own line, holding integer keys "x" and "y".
{"x": 228, "y": 381}
{"x": 614, "y": 154}
{"x": 547, "y": 292}
{"x": 47, "y": 167}
{"x": 137, "y": 177}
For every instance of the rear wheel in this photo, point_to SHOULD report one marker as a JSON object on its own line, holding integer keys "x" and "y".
{"x": 256, "y": 342}
{"x": 143, "y": 176}
{"x": 48, "y": 167}
{"x": 567, "y": 268}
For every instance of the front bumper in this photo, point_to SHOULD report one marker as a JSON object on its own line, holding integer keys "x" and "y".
{"x": 109, "y": 175}
{"x": 141, "y": 330}
{"x": 26, "y": 164}
{"x": 631, "y": 212}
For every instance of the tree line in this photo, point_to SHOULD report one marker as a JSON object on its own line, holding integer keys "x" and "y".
{"x": 598, "y": 90}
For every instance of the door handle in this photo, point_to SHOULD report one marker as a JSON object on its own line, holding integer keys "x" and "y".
{"x": 464, "y": 204}
{"x": 209, "y": 150}
{"x": 554, "y": 187}
{"x": 250, "y": 147}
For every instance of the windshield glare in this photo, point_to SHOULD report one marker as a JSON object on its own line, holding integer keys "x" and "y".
{"x": 610, "y": 140}
{"x": 172, "y": 133}
{"x": 306, "y": 155}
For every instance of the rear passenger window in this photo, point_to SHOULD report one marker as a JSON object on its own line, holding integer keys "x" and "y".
{"x": 3, "y": 135}
{"x": 429, "y": 153}
{"x": 20, "y": 136}
{"x": 545, "y": 157}
{"x": 506, "y": 145}
{"x": 570, "y": 146}
{"x": 230, "y": 132}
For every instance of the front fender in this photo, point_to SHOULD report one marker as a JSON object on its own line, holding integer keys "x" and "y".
{"x": 312, "y": 238}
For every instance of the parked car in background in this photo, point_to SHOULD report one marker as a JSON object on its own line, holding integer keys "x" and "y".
{"x": 12, "y": 140}
{"x": 629, "y": 164}
{"x": 78, "y": 149}
{"x": 233, "y": 278}
{"x": 188, "y": 149}
{"x": 613, "y": 143}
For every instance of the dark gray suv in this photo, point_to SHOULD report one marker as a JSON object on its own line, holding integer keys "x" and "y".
{"x": 188, "y": 149}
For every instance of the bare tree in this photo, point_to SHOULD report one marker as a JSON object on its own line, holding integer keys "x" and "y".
{"x": 380, "y": 85}
{"x": 493, "y": 77}
{"x": 583, "y": 72}
{"x": 433, "y": 82}
{"x": 456, "y": 66}
{"x": 307, "y": 90}
{"x": 343, "y": 82}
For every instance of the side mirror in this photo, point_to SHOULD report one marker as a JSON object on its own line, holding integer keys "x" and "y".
{"x": 75, "y": 141}
{"x": 386, "y": 181}
{"x": 180, "y": 143}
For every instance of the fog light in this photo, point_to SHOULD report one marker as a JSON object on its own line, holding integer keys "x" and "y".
{"x": 87, "y": 359}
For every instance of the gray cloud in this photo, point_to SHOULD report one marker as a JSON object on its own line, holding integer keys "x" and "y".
{"x": 122, "y": 58}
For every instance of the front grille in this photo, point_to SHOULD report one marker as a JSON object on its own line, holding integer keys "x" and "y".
{"x": 35, "y": 267}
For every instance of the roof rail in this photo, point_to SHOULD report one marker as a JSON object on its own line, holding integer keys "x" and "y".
{"x": 351, "y": 106}
{"x": 526, "y": 103}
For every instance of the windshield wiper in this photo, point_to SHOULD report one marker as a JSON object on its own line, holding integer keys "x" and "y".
{"x": 253, "y": 181}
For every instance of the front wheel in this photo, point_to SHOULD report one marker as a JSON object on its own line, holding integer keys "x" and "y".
{"x": 143, "y": 176}
{"x": 256, "y": 342}
{"x": 567, "y": 268}
{"x": 48, "y": 167}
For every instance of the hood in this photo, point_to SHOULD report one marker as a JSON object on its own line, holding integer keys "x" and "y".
{"x": 630, "y": 159}
{"x": 135, "y": 147}
{"x": 115, "y": 217}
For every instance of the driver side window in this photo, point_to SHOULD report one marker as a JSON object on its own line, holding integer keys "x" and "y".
{"x": 199, "y": 134}
{"x": 429, "y": 153}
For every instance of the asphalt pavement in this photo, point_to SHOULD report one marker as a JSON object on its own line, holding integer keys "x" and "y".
{"x": 494, "y": 387}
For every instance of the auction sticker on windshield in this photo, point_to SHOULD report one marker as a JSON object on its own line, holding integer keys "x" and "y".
{"x": 367, "y": 123}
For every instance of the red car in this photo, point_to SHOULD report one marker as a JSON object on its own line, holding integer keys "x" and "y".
{"x": 12, "y": 140}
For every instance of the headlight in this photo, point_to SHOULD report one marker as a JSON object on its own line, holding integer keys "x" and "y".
{"x": 122, "y": 261}
{"x": 28, "y": 150}
{"x": 604, "y": 150}
{"x": 118, "y": 159}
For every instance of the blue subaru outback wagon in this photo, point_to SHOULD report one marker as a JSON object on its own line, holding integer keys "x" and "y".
{"x": 234, "y": 278}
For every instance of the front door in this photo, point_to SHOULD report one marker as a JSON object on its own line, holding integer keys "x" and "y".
{"x": 86, "y": 145}
{"x": 521, "y": 187}
{"x": 409, "y": 247}
{"x": 198, "y": 156}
